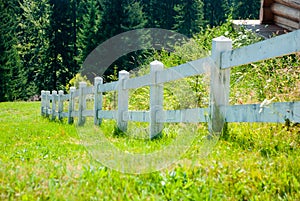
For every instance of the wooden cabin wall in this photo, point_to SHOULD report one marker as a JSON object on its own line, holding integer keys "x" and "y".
{"x": 284, "y": 13}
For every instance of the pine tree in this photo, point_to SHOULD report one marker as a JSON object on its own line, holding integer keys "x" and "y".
{"x": 160, "y": 13}
{"x": 33, "y": 44}
{"x": 246, "y": 9}
{"x": 189, "y": 17}
{"x": 120, "y": 16}
{"x": 10, "y": 64}
{"x": 215, "y": 11}
{"x": 62, "y": 49}
{"x": 88, "y": 28}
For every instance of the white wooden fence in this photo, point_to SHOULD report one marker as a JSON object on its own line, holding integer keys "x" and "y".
{"x": 219, "y": 110}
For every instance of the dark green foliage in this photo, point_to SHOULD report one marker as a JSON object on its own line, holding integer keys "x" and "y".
{"x": 43, "y": 43}
{"x": 33, "y": 45}
{"x": 160, "y": 13}
{"x": 215, "y": 11}
{"x": 62, "y": 49}
{"x": 88, "y": 27}
{"x": 120, "y": 16}
{"x": 9, "y": 58}
{"x": 189, "y": 17}
{"x": 246, "y": 9}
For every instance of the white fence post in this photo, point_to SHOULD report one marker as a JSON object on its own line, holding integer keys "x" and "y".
{"x": 82, "y": 103}
{"x": 47, "y": 103}
{"x": 122, "y": 101}
{"x": 71, "y": 105}
{"x": 60, "y": 104}
{"x": 54, "y": 98}
{"x": 156, "y": 99}
{"x": 43, "y": 96}
{"x": 219, "y": 86}
{"x": 97, "y": 100}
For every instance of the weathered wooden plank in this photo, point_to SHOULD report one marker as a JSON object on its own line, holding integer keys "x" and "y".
{"x": 43, "y": 105}
{"x": 278, "y": 46}
{"x": 107, "y": 114}
{"x": 64, "y": 114}
{"x": 74, "y": 114}
{"x": 290, "y": 3}
{"x": 88, "y": 113}
{"x": 60, "y": 104}
{"x": 111, "y": 86}
{"x": 82, "y": 103}
{"x": 156, "y": 99}
{"x": 285, "y": 11}
{"x": 44, "y": 111}
{"x": 266, "y": 15}
{"x": 290, "y": 24}
{"x": 97, "y": 100}
{"x": 275, "y": 112}
{"x": 138, "y": 116}
{"x": 76, "y": 94}
{"x": 137, "y": 82}
{"x": 88, "y": 90}
{"x": 267, "y": 3}
{"x": 171, "y": 116}
{"x": 47, "y": 103}
{"x": 194, "y": 115}
{"x": 188, "y": 69}
{"x": 285, "y": 26}
{"x": 123, "y": 100}
{"x": 65, "y": 97}
{"x": 48, "y": 111}
{"x": 71, "y": 105}
{"x": 219, "y": 86}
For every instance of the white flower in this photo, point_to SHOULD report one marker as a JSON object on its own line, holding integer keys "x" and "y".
{"x": 265, "y": 103}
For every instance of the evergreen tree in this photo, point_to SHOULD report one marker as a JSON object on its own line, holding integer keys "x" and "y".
{"x": 160, "y": 13}
{"x": 215, "y": 11}
{"x": 120, "y": 16}
{"x": 88, "y": 28}
{"x": 246, "y": 9}
{"x": 33, "y": 44}
{"x": 10, "y": 65}
{"x": 62, "y": 48}
{"x": 189, "y": 17}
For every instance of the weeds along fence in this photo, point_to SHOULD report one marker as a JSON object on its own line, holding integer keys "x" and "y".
{"x": 219, "y": 111}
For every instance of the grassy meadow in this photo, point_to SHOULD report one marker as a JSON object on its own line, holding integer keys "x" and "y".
{"x": 46, "y": 160}
{"x": 43, "y": 160}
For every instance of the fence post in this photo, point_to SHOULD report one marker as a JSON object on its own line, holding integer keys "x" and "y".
{"x": 71, "y": 105}
{"x": 54, "y": 98}
{"x": 156, "y": 99}
{"x": 122, "y": 101}
{"x": 97, "y": 100}
{"x": 82, "y": 103}
{"x": 219, "y": 86}
{"x": 47, "y": 103}
{"x": 60, "y": 104}
{"x": 43, "y": 96}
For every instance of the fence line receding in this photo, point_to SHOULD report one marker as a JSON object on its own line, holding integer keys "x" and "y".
{"x": 219, "y": 111}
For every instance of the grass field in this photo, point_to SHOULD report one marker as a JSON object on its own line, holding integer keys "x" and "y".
{"x": 44, "y": 160}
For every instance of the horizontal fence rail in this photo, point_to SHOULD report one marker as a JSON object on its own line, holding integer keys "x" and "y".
{"x": 219, "y": 110}
{"x": 278, "y": 46}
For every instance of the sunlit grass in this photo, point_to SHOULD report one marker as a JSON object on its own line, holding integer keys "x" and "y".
{"x": 45, "y": 160}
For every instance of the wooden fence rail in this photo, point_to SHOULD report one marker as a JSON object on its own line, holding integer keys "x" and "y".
{"x": 219, "y": 110}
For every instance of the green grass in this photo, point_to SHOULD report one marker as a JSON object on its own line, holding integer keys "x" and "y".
{"x": 44, "y": 160}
